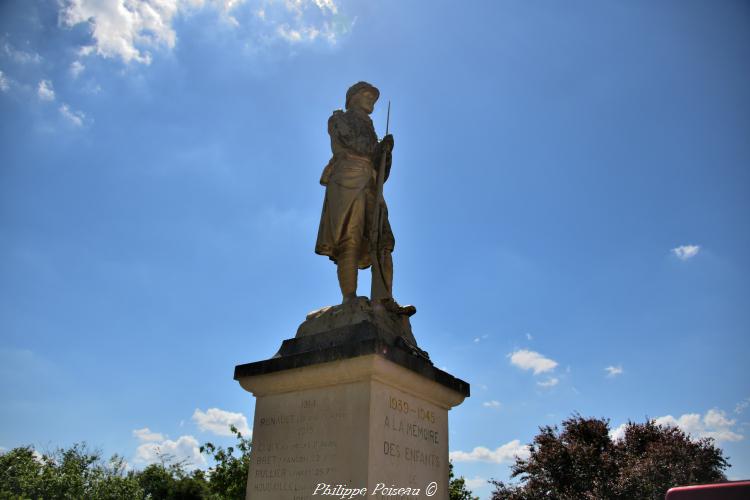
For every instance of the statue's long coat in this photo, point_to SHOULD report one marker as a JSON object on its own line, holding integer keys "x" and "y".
{"x": 350, "y": 179}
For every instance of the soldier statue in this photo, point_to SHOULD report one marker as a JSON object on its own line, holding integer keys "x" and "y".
{"x": 354, "y": 230}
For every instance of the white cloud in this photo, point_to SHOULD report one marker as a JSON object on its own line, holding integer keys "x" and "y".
{"x": 185, "y": 448}
{"x": 145, "y": 434}
{"x": 475, "y": 482}
{"x": 479, "y": 339}
{"x": 491, "y": 404}
{"x": 226, "y": 7}
{"x": 125, "y": 28}
{"x": 742, "y": 406}
{"x": 305, "y": 21}
{"x": 295, "y": 7}
{"x": 686, "y": 252}
{"x": 21, "y": 56}
{"x": 529, "y": 337}
{"x": 301, "y": 34}
{"x": 76, "y": 68}
{"x": 505, "y": 453}
{"x": 613, "y": 371}
{"x": 531, "y": 360}
{"x": 298, "y": 7}
{"x": 74, "y": 117}
{"x": 714, "y": 424}
{"x": 45, "y": 91}
{"x": 154, "y": 447}
{"x": 550, "y": 382}
{"x": 326, "y": 4}
{"x": 618, "y": 433}
{"x": 4, "y": 84}
{"x": 130, "y": 29}
{"x": 715, "y": 418}
{"x": 218, "y": 421}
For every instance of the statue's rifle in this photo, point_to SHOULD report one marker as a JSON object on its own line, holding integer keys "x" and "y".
{"x": 379, "y": 215}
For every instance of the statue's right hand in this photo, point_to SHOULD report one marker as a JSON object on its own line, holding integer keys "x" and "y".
{"x": 387, "y": 143}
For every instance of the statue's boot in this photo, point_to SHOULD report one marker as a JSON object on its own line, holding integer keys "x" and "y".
{"x": 394, "y": 307}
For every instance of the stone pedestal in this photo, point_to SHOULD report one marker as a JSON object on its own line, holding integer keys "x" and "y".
{"x": 353, "y": 411}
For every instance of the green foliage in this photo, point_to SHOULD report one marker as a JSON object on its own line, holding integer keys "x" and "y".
{"x": 169, "y": 480}
{"x": 156, "y": 481}
{"x": 19, "y": 473}
{"x": 77, "y": 472}
{"x": 457, "y": 486}
{"x": 229, "y": 474}
{"x": 583, "y": 462}
{"x": 579, "y": 462}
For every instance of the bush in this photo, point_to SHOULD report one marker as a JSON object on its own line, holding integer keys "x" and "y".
{"x": 77, "y": 472}
{"x": 583, "y": 462}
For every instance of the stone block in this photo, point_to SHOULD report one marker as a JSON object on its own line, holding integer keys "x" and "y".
{"x": 349, "y": 412}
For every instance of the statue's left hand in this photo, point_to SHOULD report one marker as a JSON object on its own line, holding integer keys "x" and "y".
{"x": 387, "y": 143}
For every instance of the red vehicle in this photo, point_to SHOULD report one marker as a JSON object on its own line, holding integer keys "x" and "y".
{"x": 733, "y": 490}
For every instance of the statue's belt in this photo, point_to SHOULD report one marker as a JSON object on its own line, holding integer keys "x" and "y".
{"x": 346, "y": 162}
{"x": 352, "y": 157}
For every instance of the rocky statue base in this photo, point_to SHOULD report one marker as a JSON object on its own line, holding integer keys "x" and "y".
{"x": 351, "y": 404}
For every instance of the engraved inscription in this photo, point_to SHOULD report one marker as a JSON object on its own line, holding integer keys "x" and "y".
{"x": 416, "y": 425}
{"x": 300, "y": 454}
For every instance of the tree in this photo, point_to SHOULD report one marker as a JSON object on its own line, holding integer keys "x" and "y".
{"x": 656, "y": 458}
{"x": 75, "y": 472}
{"x": 584, "y": 462}
{"x": 229, "y": 474}
{"x": 20, "y": 470}
{"x": 157, "y": 482}
{"x": 169, "y": 480}
{"x": 457, "y": 486}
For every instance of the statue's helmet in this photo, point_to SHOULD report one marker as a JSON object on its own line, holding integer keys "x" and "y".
{"x": 357, "y": 88}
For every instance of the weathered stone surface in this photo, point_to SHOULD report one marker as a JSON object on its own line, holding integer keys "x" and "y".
{"x": 357, "y": 405}
{"x": 359, "y": 422}
{"x": 356, "y": 311}
{"x": 351, "y": 341}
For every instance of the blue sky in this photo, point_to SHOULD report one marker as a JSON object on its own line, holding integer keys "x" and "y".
{"x": 570, "y": 197}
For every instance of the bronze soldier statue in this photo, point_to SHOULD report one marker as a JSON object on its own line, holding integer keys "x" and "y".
{"x": 354, "y": 230}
